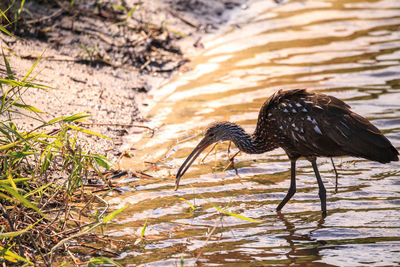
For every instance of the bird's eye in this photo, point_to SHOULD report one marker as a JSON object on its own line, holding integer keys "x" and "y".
{"x": 211, "y": 134}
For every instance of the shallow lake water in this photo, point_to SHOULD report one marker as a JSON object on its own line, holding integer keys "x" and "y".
{"x": 349, "y": 49}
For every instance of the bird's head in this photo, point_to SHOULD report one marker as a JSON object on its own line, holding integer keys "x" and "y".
{"x": 219, "y": 131}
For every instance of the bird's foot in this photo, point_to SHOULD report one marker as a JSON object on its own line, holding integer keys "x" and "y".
{"x": 324, "y": 214}
{"x": 232, "y": 163}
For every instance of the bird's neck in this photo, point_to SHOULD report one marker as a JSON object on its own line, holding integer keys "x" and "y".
{"x": 255, "y": 143}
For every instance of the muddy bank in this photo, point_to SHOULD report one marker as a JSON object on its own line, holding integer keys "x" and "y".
{"x": 103, "y": 58}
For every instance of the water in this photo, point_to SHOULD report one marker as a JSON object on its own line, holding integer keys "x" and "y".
{"x": 349, "y": 49}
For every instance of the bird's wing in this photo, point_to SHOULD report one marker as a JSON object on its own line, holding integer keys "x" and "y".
{"x": 347, "y": 132}
{"x": 300, "y": 123}
{"x": 313, "y": 124}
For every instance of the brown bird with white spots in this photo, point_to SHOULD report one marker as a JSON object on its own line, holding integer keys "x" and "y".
{"x": 306, "y": 125}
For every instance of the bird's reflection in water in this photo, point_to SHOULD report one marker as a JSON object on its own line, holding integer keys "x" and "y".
{"x": 301, "y": 245}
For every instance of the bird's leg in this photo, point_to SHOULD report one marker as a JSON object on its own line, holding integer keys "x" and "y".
{"x": 322, "y": 190}
{"x": 292, "y": 188}
{"x": 231, "y": 159}
{"x": 337, "y": 176}
{"x": 232, "y": 163}
{"x": 229, "y": 149}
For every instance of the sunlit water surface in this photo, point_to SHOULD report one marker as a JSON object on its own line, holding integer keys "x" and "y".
{"x": 349, "y": 49}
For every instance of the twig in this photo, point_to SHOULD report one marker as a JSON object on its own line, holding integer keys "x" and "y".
{"x": 109, "y": 175}
{"x": 144, "y": 37}
{"x": 55, "y": 14}
{"x": 76, "y": 261}
{"x": 118, "y": 124}
{"x": 85, "y": 231}
{"x": 96, "y": 249}
{"x": 22, "y": 251}
{"x": 50, "y": 198}
{"x": 184, "y": 20}
{"x": 142, "y": 175}
{"x": 84, "y": 207}
{"x": 66, "y": 214}
{"x": 177, "y": 66}
{"x": 145, "y": 64}
{"x": 44, "y": 258}
{"x": 106, "y": 208}
{"x": 53, "y": 221}
{"x": 198, "y": 43}
{"x": 7, "y": 217}
{"x": 208, "y": 238}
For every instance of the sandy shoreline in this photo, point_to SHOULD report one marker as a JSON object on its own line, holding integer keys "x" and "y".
{"x": 110, "y": 91}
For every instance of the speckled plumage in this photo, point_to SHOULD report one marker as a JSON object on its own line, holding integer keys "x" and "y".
{"x": 304, "y": 124}
{"x": 320, "y": 125}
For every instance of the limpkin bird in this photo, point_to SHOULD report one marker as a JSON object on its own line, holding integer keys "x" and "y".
{"x": 304, "y": 124}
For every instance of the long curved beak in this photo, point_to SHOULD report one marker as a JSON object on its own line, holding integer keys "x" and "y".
{"x": 190, "y": 159}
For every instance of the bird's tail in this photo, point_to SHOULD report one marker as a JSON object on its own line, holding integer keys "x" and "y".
{"x": 370, "y": 143}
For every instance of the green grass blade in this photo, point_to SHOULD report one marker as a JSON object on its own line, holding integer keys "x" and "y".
{"x": 4, "y": 15}
{"x": 17, "y": 155}
{"x": 75, "y": 117}
{"x": 10, "y": 180}
{"x": 11, "y": 234}
{"x": 144, "y": 228}
{"x": 102, "y": 261}
{"x": 86, "y": 131}
{"x": 180, "y": 34}
{"x": 89, "y": 228}
{"x": 15, "y": 111}
{"x": 24, "y": 84}
{"x": 16, "y": 180}
{"x": 18, "y": 233}
{"x": 11, "y": 145}
{"x": 46, "y": 161}
{"x": 12, "y": 129}
{"x": 16, "y": 143}
{"x": 191, "y": 206}
{"x": 11, "y": 256}
{"x": 8, "y": 198}
{"x": 101, "y": 161}
{"x": 33, "y": 66}
{"x": 21, "y": 7}
{"x": 231, "y": 213}
{"x": 8, "y": 68}
{"x": 122, "y": 8}
{"x": 22, "y": 200}
{"x": 112, "y": 215}
{"x": 6, "y": 134}
{"x": 28, "y": 107}
{"x": 130, "y": 12}
{"x": 7, "y": 32}
{"x": 52, "y": 121}
{"x": 37, "y": 190}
